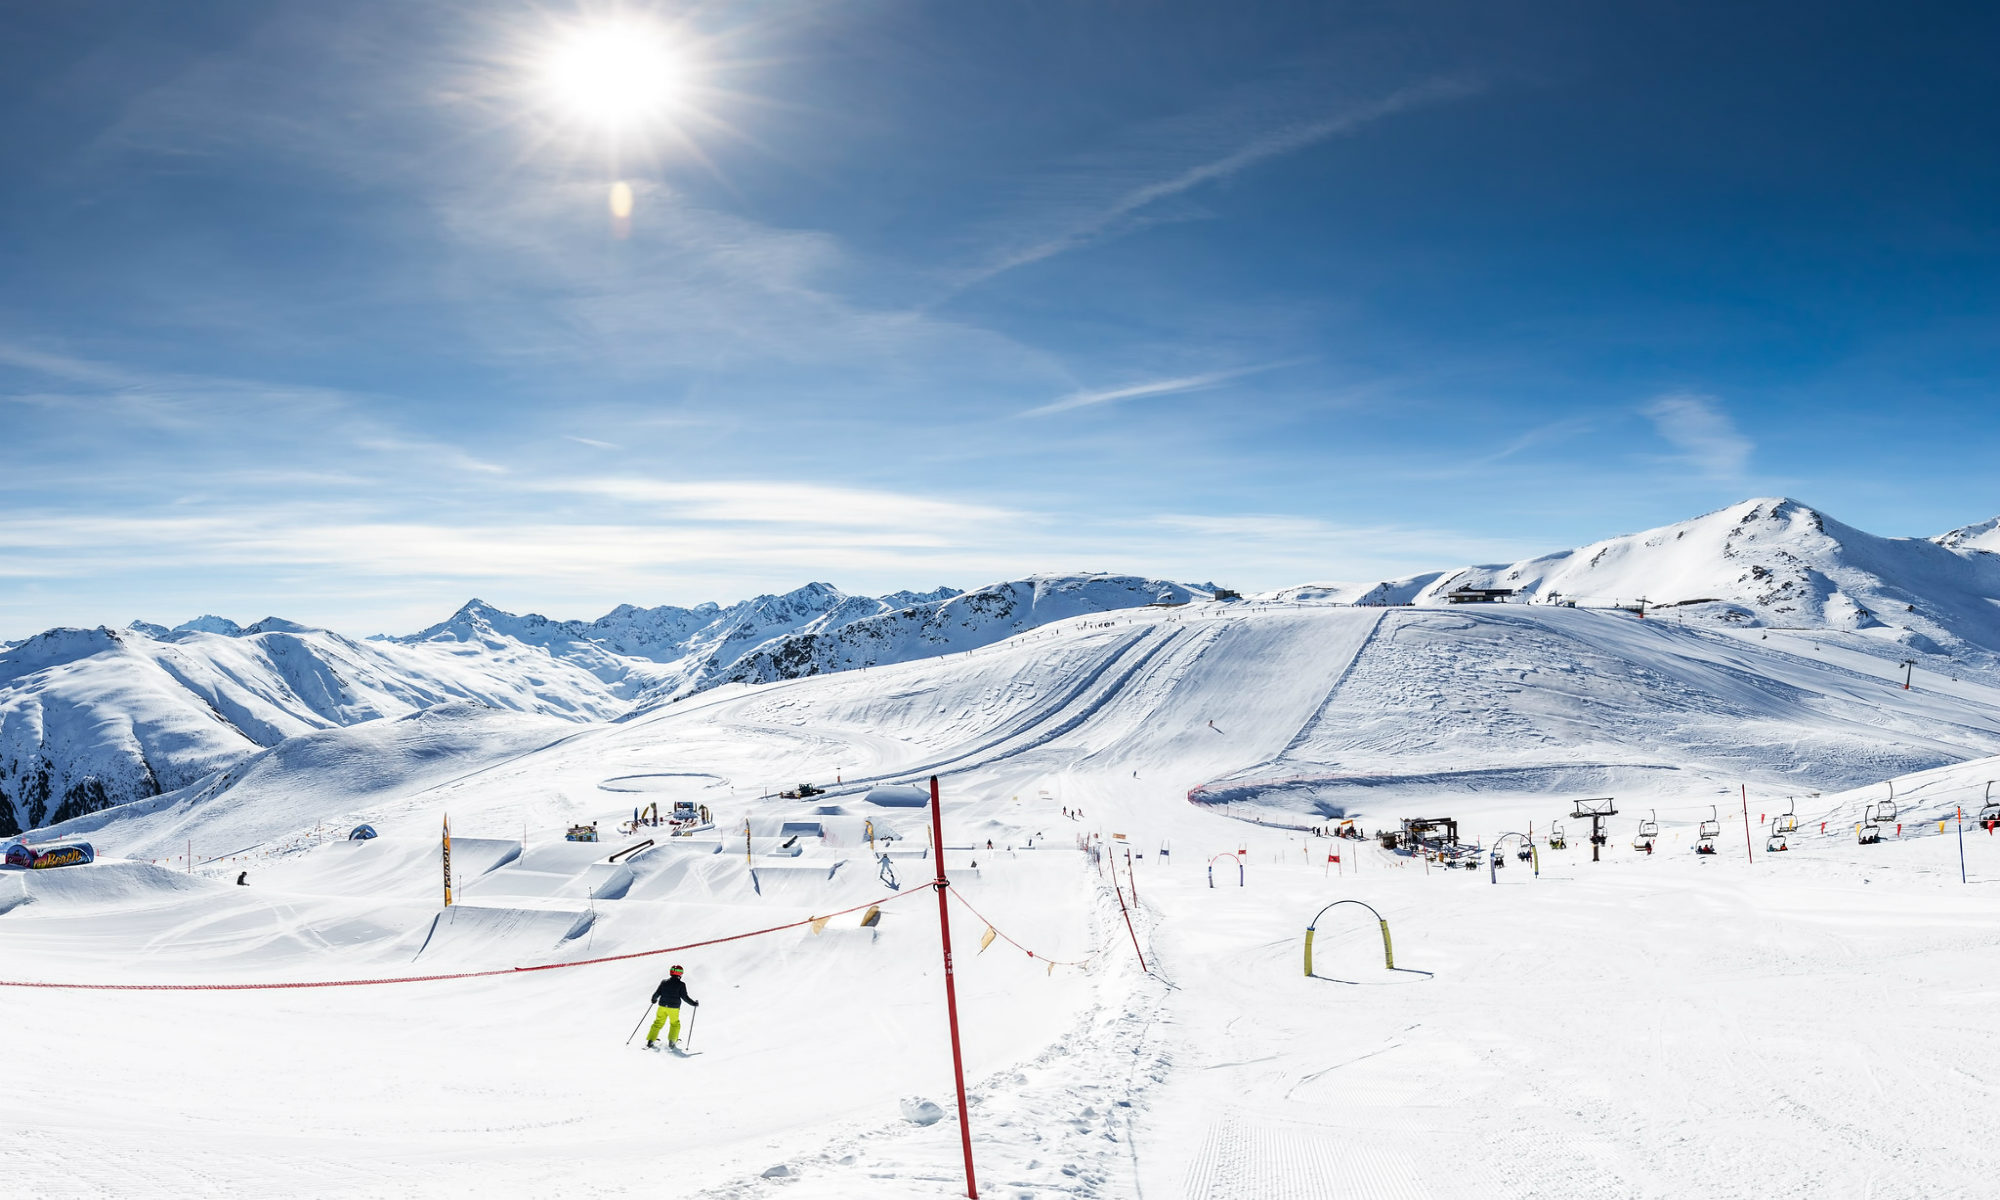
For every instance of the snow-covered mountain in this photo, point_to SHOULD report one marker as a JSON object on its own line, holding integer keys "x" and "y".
{"x": 94, "y": 717}
{"x": 945, "y": 624}
{"x": 1772, "y": 563}
{"x": 90, "y": 718}
{"x": 661, "y": 653}
{"x": 1984, "y": 536}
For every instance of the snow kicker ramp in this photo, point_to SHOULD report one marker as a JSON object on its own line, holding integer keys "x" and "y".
{"x": 398, "y": 867}
{"x": 469, "y": 935}
{"x": 107, "y": 884}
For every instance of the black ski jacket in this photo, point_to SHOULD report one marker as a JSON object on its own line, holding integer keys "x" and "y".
{"x": 672, "y": 993}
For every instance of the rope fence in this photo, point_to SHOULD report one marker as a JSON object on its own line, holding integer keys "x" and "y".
{"x": 1053, "y": 963}
{"x": 332, "y": 983}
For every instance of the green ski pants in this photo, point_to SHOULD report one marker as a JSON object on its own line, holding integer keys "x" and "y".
{"x": 671, "y": 1018}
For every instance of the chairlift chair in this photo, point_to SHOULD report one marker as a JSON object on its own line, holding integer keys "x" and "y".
{"x": 1885, "y": 812}
{"x": 1788, "y": 821}
{"x": 1989, "y": 815}
{"x": 1556, "y": 836}
{"x": 1776, "y": 841}
{"x": 1869, "y": 831}
{"x": 1649, "y": 831}
{"x": 1709, "y": 831}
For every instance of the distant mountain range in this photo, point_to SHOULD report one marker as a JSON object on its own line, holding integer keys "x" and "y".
{"x": 93, "y": 717}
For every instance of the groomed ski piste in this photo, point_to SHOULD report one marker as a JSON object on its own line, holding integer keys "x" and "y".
{"x": 1812, "y": 1022}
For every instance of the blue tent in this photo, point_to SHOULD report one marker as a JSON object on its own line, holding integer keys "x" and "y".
{"x": 361, "y": 833}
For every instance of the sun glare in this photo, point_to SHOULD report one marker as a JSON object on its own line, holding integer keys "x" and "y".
{"x": 616, "y": 75}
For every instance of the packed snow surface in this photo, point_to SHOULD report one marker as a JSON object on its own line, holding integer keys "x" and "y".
{"x": 1651, "y": 1025}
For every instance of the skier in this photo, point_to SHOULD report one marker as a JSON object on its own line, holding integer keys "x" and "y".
{"x": 669, "y": 996}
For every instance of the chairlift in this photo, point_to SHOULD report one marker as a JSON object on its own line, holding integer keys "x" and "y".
{"x": 1556, "y": 836}
{"x": 1596, "y": 811}
{"x": 1787, "y": 821}
{"x": 1776, "y": 841}
{"x": 1885, "y": 812}
{"x": 1989, "y": 816}
{"x": 1711, "y": 828}
{"x": 1869, "y": 831}
{"x": 1649, "y": 831}
{"x": 1525, "y": 854}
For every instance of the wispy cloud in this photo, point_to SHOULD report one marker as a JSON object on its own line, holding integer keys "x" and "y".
{"x": 779, "y": 502}
{"x": 1703, "y": 433}
{"x": 592, "y": 442}
{"x": 1287, "y": 139}
{"x": 1156, "y": 387}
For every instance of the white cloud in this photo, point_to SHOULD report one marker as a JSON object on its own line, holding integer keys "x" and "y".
{"x": 1157, "y": 387}
{"x": 780, "y": 502}
{"x": 1707, "y": 439}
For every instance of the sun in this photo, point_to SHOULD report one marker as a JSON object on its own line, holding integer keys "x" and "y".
{"x": 616, "y": 76}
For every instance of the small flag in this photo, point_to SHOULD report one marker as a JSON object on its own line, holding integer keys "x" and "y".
{"x": 987, "y": 940}
{"x": 1333, "y": 858}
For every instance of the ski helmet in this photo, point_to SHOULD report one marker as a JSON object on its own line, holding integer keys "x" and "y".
{"x": 675, "y": 971}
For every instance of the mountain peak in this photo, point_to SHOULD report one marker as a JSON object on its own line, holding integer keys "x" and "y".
{"x": 1983, "y": 536}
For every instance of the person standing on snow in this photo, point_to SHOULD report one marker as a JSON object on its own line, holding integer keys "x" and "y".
{"x": 670, "y": 995}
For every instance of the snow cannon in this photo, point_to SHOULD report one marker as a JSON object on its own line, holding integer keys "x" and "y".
{"x": 1388, "y": 947}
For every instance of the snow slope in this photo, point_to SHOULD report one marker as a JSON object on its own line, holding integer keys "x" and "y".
{"x": 1761, "y": 563}
{"x": 1651, "y": 1026}
{"x": 1983, "y": 536}
{"x": 924, "y": 628}
{"x": 96, "y": 717}
{"x": 90, "y": 718}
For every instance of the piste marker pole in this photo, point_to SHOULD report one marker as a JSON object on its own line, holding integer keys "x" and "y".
{"x": 951, "y": 989}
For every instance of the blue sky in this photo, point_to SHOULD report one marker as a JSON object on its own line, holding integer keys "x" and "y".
{"x": 319, "y": 310}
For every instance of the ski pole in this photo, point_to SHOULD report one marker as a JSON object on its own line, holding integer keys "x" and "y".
{"x": 642, "y": 1021}
{"x": 688, "y": 1041}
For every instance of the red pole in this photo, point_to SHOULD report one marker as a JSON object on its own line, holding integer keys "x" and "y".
{"x": 1128, "y": 925}
{"x": 1746, "y": 824}
{"x": 951, "y": 989}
